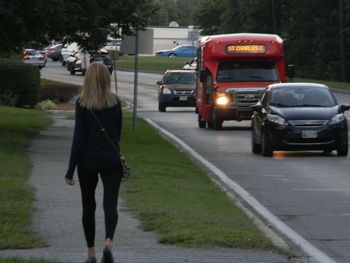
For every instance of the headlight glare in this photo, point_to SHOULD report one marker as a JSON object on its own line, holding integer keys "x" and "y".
{"x": 277, "y": 119}
{"x": 222, "y": 101}
{"x": 337, "y": 119}
{"x": 166, "y": 91}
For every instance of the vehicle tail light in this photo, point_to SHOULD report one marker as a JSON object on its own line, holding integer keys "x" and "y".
{"x": 41, "y": 58}
{"x": 26, "y": 57}
{"x": 24, "y": 52}
{"x": 44, "y": 53}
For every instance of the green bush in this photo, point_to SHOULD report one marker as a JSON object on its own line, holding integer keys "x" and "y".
{"x": 58, "y": 92}
{"x": 19, "y": 83}
{"x": 46, "y": 105}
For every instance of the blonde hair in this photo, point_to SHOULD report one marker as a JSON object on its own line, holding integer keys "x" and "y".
{"x": 97, "y": 93}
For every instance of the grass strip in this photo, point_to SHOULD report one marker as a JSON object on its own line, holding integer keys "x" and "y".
{"x": 331, "y": 84}
{"x": 175, "y": 198}
{"x": 152, "y": 63}
{"x": 17, "y": 126}
{"x": 20, "y": 260}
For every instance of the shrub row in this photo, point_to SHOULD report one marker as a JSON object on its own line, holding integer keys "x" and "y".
{"x": 19, "y": 84}
{"x": 58, "y": 92}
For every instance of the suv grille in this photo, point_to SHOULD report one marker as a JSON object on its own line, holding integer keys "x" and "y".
{"x": 183, "y": 92}
{"x": 245, "y": 97}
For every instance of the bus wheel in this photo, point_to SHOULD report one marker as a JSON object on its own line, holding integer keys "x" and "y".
{"x": 201, "y": 124}
{"x": 217, "y": 123}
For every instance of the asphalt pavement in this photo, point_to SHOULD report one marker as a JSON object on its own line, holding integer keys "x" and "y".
{"x": 57, "y": 216}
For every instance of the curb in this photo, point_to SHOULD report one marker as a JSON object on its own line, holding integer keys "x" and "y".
{"x": 313, "y": 254}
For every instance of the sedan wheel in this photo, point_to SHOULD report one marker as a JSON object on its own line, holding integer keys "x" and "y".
{"x": 343, "y": 150}
{"x": 161, "y": 107}
{"x": 256, "y": 147}
{"x": 172, "y": 55}
{"x": 266, "y": 145}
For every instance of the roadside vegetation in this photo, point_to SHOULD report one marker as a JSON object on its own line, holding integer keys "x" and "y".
{"x": 17, "y": 126}
{"x": 19, "y": 260}
{"x": 175, "y": 198}
{"x": 161, "y": 64}
{"x": 152, "y": 63}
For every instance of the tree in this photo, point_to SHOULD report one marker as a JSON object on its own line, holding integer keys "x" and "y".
{"x": 87, "y": 22}
{"x": 208, "y": 16}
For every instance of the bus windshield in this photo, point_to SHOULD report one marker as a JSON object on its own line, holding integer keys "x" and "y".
{"x": 247, "y": 71}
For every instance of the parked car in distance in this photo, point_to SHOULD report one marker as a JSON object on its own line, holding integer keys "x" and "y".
{"x": 177, "y": 89}
{"x": 33, "y": 57}
{"x": 299, "y": 116}
{"x": 191, "y": 65}
{"x": 103, "y": 57}
{"x": 179, "y": 51}
{"x": 67, "y": 51}
{"x": 54, "y": 52}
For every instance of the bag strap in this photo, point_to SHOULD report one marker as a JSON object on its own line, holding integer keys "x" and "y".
{"x": 104, "y": 132}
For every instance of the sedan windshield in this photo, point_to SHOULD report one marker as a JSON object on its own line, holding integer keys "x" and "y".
{"x": 179, "y": 78}
{"x": 247, "y": 71}
{"x": 301, "y": 97}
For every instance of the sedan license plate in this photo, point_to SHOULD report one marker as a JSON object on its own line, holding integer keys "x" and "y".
{"x": 308, "y": 134}
{"x": 183, "y": 98}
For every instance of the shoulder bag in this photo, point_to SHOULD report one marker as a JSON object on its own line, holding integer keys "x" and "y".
{"x": 125, "y": 167}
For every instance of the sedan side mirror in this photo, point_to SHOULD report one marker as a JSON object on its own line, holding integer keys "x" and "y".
{"x": 159, "y": 82}
{"x": 344, "y": 107}
{"x": 257, "y": 107}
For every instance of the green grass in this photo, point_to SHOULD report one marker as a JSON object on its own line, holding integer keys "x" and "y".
{"x": 152, "y": 63}
{"x": 48, "y": 81}
{"x": 19, "y": 260}
{"x": 175, "y": 198}
{"x": 331, "y": 84}
{"x": 16, "y": 128}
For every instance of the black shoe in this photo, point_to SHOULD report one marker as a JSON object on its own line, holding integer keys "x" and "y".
{"x": 107, "y": 255}
{"x": 91, "y": 260}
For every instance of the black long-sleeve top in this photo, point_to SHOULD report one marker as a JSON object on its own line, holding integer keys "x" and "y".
{"x": 90, "y": 147}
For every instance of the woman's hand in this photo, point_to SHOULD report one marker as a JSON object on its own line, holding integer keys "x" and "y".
{"x": 70, "y": 181}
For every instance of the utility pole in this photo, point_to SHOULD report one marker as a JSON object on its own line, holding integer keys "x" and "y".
{"x": 273, "y": 14}
{"x": 342, "y": 42}
{"x": 136, "y": 71}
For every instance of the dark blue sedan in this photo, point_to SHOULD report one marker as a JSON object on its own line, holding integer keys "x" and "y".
{"x": 179, "y": 51}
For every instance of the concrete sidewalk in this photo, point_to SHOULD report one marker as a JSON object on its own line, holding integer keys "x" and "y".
{"x": 57, "y": 218}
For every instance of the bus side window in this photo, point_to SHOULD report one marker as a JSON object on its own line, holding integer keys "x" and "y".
{"x": 208, "y": 88}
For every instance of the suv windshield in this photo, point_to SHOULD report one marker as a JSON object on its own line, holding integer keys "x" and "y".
{"x": 179, "y": 78}
{"x": 247, "y": 71}
{"x": 301, "y": 97}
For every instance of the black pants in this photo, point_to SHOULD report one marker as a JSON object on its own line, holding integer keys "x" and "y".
{"x": 88, "y": 179}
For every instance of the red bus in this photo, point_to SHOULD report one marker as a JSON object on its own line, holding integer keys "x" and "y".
{"x": 234, "y": 70}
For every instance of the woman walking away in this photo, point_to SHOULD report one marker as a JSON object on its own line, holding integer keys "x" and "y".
{"x": 94, "y": 156}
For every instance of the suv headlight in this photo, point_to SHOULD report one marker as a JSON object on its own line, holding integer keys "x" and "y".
{"x": 277, "y": 119}
{"x": 166, "y": 91}
{"x": 337, "y": 119}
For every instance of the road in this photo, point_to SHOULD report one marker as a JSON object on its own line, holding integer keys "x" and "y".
{"x": 308, "y": 191}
